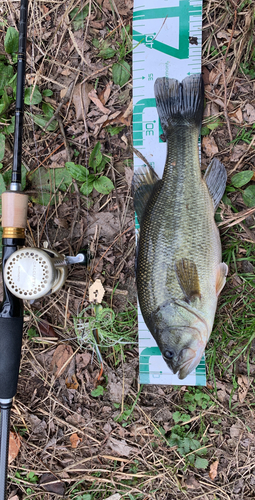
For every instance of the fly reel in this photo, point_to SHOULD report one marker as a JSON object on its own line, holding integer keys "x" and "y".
{"x": 31, "y": 273}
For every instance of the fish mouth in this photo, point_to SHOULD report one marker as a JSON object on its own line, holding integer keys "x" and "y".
{"x": 191, "y": 360}
{"x": 185, "y": 366}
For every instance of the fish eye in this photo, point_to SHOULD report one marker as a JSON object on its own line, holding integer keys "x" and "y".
{"x": 169, "y": 354}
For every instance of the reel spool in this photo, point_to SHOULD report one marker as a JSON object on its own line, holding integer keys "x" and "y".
{"x": 31, "y": 273}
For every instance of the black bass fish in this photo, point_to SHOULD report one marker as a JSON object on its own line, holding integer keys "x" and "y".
{"x": 178, "y": 269}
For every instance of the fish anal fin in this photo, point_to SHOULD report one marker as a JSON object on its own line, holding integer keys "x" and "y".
{"x": 215, "y": 178}
{"x": 222, "y": 271}
{"x": 143, "y": 184}
{"x": 187, "y": 275}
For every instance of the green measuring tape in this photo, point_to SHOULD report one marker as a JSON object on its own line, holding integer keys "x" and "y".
{"x": 167, "y": 42}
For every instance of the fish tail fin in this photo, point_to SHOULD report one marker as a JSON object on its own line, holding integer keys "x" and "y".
{"x": 180, "y": 104}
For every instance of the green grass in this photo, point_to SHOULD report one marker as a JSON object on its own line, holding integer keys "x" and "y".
{"x": 234, "y": 327}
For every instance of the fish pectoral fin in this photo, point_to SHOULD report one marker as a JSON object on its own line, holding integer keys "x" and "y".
{"x": 215, "y": 178}
{"x": 187, "y": 276}
{"x": 222, "y": 271}
{"x": 143, "y": 183}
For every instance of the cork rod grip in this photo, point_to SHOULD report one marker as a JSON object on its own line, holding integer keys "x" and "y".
{"x": 14, "y": 210}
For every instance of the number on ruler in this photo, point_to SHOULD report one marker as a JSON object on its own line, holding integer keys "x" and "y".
{"x": 183, "y": 12}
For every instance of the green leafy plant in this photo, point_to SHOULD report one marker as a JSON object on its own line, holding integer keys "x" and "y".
{"x": 121, "y": 71}
{"x": 197, "y": 399}
{"x": 97, "y": 162}
{"x": 114, "y": 130}
{"x": 244, "y": 135}
{"x": 8, "y": 87}
{"x": 211, "y": 124}
{"x": 50, "y": 181}
{"x": 31, "y": 333}
{"x": 99, "y": 391}
{"x": 248, "y": 67}
{"x": 238, "y": 181}
{"x": 78, "y": 17}
{"x": 29, "y": 477}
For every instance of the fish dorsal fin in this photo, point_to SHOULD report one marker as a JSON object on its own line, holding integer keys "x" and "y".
{"x": 216, "y": 178}
{"x": 143, "y": 184}
{"x": 222, "y": 271}
{"x": 187, "y": 275}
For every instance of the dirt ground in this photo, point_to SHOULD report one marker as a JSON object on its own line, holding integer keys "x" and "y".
{"x": 78, "y": 433}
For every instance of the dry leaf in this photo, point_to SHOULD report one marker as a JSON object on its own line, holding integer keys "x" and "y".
{"x": 244, "y": 383}
{"x": 129, "y": 175}
{"x": 214, "y": 76}
{"x": 94, "y": 97}
{"x": 249, "y": 113}
{"x": 61, "y": 222}
{"x": 236, "y": 430}
{"x": 14, "y": 446}
{"x": 120, "y": 447}
{"x": 81, "y": 99}
{"x": 45, "y": 11}
{"x": 82, "y": 360}
{"x": 52, "y": 484}
{"x": 207, "y": 110}
{"x": 105, "y": 93}
{"x": 205, "y": 73}
{"x": 73, "y": 383}
{"x": 66, "y": 72}
{"x": 75, "y": 440}
{"x": 213, "y": 470}
{"x": 63, "y": 92}
{"x": 224, "y": 35}
{"x": 61, "y": 359}
{"x": 14, "y": 498}
{"x": 237, "y": 152}
{"x": 77, "y": 420}
{"x": 190, "y": 483}
{"x": 46, "y": 329}
{"x": 236, "y": 116}
{"x": 38, "y": 426}
{"x": 214, "y": 109}
{"x": 222, "y": 395}
{"x": 209, "y": 146}
{"x": 99, "y": 25}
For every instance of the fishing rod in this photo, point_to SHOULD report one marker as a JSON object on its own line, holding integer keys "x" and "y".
{"x": 14, "y": 215}
{"x": 28, "y": 273}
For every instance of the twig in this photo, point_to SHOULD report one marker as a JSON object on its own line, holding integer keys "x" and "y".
{"x": 242, "y": 157}
{"x": 96, "y": 73}
{"x": 62, "y": 130}
{"x": 62, "y": 102}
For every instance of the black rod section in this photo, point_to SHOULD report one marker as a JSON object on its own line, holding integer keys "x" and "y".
{"x": 11, "y": 310}
{"x": 19, "y": 112}
{"x": 5, "y": 407}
